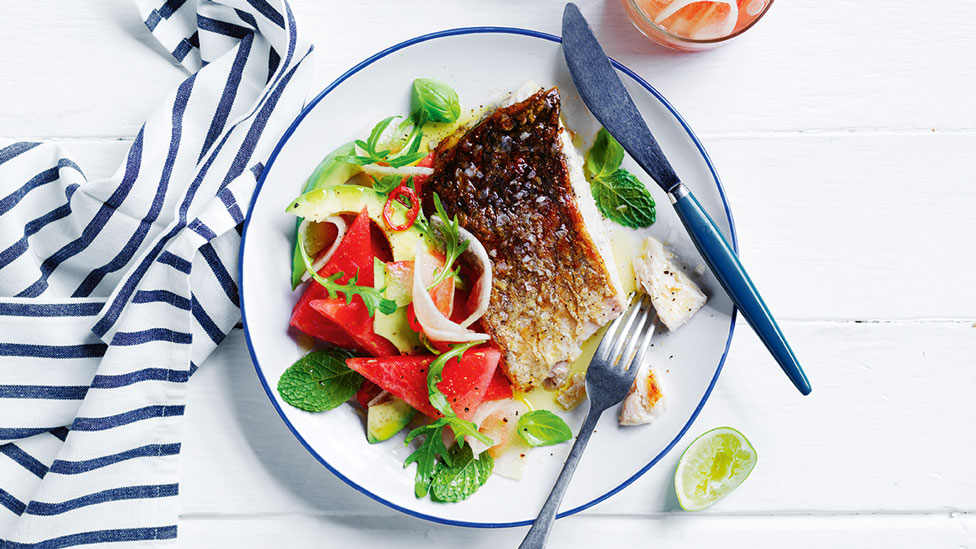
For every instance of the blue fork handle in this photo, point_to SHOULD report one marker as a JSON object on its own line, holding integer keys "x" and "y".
{"x": 726, "y": 266}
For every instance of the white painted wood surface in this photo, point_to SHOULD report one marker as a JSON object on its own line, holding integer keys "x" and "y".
{"x": 831, "y": 125}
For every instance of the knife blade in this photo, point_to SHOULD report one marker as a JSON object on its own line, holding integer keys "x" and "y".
{"x": 605, "y": 95}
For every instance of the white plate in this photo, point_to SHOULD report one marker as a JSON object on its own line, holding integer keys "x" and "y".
{"x": 481, "y": 64}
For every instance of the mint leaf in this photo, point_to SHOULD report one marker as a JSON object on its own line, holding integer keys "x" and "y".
{"x": 619, "y": 195}
{"x": 542, "y": 428}
{"x": 605, "y": 155}
{"x": 319, "y": 381}
{"x": 462, "y": 479}
{"x": 622, "y": 198}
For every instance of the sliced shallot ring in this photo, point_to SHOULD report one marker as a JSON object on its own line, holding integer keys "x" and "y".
{"x": 482, "y": 288}
{"x": 404, "y": 171}
{"x": 480, "y": 415}
{"x": 510, "y": 451}
{"x": 437, "y": 326}
{"x": 320, "y": 262}
{"x": 729, "y": 23}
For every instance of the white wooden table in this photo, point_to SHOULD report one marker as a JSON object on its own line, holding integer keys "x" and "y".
{"x": 845, "y": 134}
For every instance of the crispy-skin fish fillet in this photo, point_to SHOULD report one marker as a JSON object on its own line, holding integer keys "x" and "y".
{"x": 512, "y": 182}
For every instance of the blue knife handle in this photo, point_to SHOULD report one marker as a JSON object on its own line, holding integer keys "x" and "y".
{"x": 733, "y": 277}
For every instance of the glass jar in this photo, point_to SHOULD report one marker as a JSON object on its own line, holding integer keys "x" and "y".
{"x": 690, "y": 25}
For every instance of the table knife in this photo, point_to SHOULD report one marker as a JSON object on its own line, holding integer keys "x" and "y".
{"x": 607, "y": 98}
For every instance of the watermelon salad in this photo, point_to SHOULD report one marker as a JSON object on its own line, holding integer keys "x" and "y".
{"x": 393, "y": 300}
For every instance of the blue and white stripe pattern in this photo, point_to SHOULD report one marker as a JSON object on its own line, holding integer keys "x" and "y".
{"x": 114, "y": 290}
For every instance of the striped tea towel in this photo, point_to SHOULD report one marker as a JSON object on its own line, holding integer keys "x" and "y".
{"x": 115, "y": 290}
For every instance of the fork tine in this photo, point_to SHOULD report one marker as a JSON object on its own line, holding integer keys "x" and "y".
{"x": 645, "y": 309}
{"x": 645, "y": 345}
{"x": 610, "y": 335}
{"x": 624, "y": 333}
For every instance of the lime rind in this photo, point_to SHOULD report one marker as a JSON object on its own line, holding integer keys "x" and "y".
{"x": 712, "y": 466}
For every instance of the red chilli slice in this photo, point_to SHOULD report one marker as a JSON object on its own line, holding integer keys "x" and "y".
{"x": 412, "y": 213}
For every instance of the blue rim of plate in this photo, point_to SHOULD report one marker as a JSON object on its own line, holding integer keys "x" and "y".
{"x": 284, "y": 139}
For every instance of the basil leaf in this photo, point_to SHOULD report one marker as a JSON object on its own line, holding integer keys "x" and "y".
{"x": 542, "y": 428}
{"x": 462, "y": 479}
{"x": 622, "y": 198}
{"x": 435, "y": 101}
{"x": 605, "y": 155}
{"x": 319, "y": 381}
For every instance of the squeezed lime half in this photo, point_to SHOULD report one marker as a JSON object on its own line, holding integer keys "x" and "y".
{"x": 714, "y": 465}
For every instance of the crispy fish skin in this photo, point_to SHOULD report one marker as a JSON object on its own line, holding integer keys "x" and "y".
{"x": 507, "y": 182}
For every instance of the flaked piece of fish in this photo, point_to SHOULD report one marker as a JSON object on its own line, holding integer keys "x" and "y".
{"x": 516, "y": 182}
{"x": 645, "y": 401}
{"x": 675, "y": 296}
{"x": 573, "y": 393}
{"x": 558, "y": 376}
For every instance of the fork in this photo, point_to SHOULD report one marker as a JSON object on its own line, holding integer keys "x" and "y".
{"x": 608, "y": 379}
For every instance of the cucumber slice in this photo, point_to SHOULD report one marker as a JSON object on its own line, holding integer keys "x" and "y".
{"x": 386, "y": 419}
{"x": 394, "y": 287}
{"x": 395, "y": 327}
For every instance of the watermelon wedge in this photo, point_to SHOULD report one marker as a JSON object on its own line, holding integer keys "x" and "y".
{"x": 499, "y": 388}
{"x": 333, "y": 320}
{"x": 465, "y": 382}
